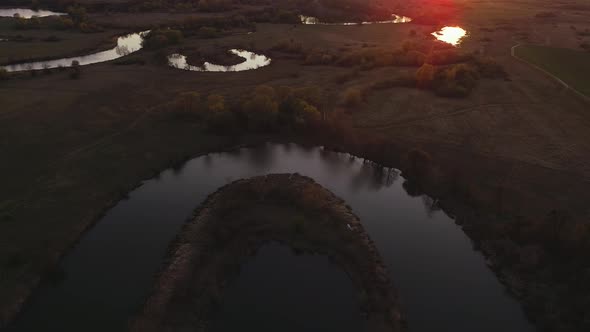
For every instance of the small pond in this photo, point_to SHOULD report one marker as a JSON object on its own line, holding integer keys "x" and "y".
{"x": 444, "y": 285}
{"x": 27, "y": 13}
{"x": 451, "y": 35}
{"x": 125, "y": 45}
{"x": 251, "y": 61}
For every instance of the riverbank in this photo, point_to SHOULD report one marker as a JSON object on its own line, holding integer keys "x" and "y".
{"x": 237, "y": 220}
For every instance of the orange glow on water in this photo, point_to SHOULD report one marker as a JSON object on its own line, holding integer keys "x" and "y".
{"x": 451, "y": 35}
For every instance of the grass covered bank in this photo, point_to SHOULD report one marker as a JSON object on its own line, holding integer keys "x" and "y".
{"x": 570, "y": 66}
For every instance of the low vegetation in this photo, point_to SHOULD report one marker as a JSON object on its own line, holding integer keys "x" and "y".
{"x": 265, "y": 109}
{"x": 571, "y": 66}
{"x": 160, "y": 38}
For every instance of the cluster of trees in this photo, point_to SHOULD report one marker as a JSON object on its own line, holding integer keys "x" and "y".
{"x": 265, "y": 109}
{"x": 77, "y": 18}
{"x": 4, "y": 74}
{"x": 275, "y": 15}
{"x": 206, "y": 26}
{"x": 457, "y": 80}
{"x": 549, "y": 256}
{"x": 183, "y": 5}
{"x": 412, "y": 53}
{"x": 159, "y": 38}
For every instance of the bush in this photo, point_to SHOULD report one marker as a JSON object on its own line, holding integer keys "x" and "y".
{"x": 215, "y": 103}
{"x": 189, "y": 103}
{"x": 161, "y": 38}
{"x": 352, "y": 97}
{"x": 75, "y": 71}
{"x": 288, "y": 46}
{"x": 447, "y": 57}
{"x": 417, "y": 163}
{"x": 297, "y": 112}
{"x": 425, "y": 75}
{"x": 4, "y": 74}
{"x": 489, "y": 68}
{"x": 126, "y": 61}
{"x": 208, "y": 32}
{"x": 78, "y": 14}
{"x": 214, "y": 5}
{"x": 456, "y": 81}
{"x": 261, "y": 108}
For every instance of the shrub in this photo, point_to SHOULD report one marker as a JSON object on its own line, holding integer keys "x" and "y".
{"x": 545, "y": 15}
{"x": 489, "y": 68}
{"x": 417, "y": 163}
{"x": 162, "y": 37}
{"x": 75, "y": 71}
{"x": 215, "y": 103}
{"x": 425, "y": 75}
{"x": 456, "y": 81}
{"x": 352, "y": 97}
{"x": 288, "y": 46}
{"x": 78, "y": 14}
{"x": 188, "y": 103}
{"x": 261, "y": 107}
{"x": 4, "y": 74}
{"x": 297, "y": 112}
{"x": 208, "y": 32}
{"x": 126, "y": 61}
{"x": 447, "y": 57}
{"x": 214, "y": 5}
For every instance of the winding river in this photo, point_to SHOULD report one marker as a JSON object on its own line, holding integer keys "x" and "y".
{"x": 125, "y": 45}
{"x": 443, "y": 283}
{"x": 251, "y": 61}
{"x": 27, "y": 13}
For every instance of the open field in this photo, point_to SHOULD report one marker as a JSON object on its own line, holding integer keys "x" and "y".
{"x": 72, "y": 148}
{"x": 571, "y": 66}
{"x": 27, "y": 45}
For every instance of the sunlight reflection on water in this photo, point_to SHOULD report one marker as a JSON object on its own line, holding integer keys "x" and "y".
{"x": 451, "y": 35}
{"x": 252, "y": 61}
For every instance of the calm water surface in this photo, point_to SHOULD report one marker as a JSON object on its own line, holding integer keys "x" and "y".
{"x": 444, "y": 285}
{"x": 286, "y": 288}
{"x": 450, "y": 35}
{"x": 125, "y": 45}
{"x": 251, "y": 61}
{"x": 27, "y": 13}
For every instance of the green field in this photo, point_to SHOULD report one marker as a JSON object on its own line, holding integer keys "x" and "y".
{"x": 571, "y": 66}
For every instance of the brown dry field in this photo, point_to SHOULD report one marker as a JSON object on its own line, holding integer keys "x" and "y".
{"x": 72, "y": 148}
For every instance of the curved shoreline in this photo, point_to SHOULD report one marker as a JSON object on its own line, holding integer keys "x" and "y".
{"x": 124, "y": 45}
{"x": 251, "y": 61}
{"x": 334, "y": 231}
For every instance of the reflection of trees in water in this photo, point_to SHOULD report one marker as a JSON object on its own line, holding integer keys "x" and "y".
{"x": 374, "y": 177}
{"x": 122, "y": 50}
{"x": 430, "y": 205}
{"x": 261, "y": 157}
{"x": 414, "y": 189}
{"x": 334, "y": 161}
{"x": 207, "y": 161}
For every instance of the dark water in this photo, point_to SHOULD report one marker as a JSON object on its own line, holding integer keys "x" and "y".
{"x": 444, "y": 285}
{"x": 277, "y": 288}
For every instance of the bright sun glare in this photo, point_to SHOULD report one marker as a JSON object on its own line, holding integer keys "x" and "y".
{"x": 451, "y": 35}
